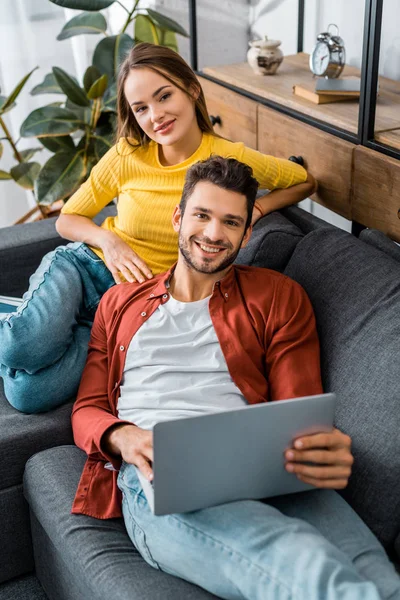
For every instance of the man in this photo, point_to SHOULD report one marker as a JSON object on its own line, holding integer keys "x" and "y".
{"x": 204, "y": 337}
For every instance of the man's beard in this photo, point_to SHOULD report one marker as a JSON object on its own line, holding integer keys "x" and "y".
{"x": 201, "y": 266}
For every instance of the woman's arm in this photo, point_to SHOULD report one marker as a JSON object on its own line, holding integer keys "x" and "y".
{"x": 82, "y": 229}
{"x": 280, "y": 198}
{"x": 118, "y": 256}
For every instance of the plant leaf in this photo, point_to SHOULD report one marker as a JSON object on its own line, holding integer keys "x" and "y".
{"x": 16, "y": 91}
{"x": 86, "y": 22}
{"x": 110, "y": 98}
{"x": 144, "y": 32}
{"x": 91, "y": 75}
{"x": 82, "y": 114}
{"x": 4, "y": 175}
{"x": 98, "y": 88}
{"x": 1, "y": 149}
{"x": 56, "y": 144}
{"x": 101, "y": 146}
{"x": 25, "y": 174}
{"x": 91, "y": 5}
{"x": 27, "y": 154}
{"x": 110, "y": 52}
{"x": 72, "y": 90}
{"x": 48, "y": 86}
{"x": 168, "y": 39}
{"x": 50, "y": 121}
{"x": 2, "y": 102}
{"x": 60, "y": 177}
{"x": 165, "y": 22}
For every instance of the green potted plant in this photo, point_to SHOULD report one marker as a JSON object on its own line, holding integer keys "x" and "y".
{"x": 80, "y": 128}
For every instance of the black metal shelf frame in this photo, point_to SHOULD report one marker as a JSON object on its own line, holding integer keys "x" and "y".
{"x": 369, "y": 78}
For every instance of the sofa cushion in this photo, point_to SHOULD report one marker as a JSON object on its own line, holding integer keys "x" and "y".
{"x": 271, "y": 244}
{"x": 381, "y": 241}
{"x": 23, "y": 435}
{"x": 355, "y": 291}
{"x": 97, "y": 557}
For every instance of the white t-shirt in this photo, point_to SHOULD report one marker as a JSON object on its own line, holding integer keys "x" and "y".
{"x": 175, "y": 368}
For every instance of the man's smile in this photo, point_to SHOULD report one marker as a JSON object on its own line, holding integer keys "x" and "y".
{"x": 209, "y": 249}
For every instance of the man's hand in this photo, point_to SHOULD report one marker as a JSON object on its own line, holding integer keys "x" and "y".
{"x": 331, "y": 453}
{"x": 133, "y": 444}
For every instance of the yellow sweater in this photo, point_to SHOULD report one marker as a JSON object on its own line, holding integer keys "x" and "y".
{"x": 148, "y": 192}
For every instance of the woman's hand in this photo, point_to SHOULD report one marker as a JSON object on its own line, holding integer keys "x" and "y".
{"x": 120, "y": 258}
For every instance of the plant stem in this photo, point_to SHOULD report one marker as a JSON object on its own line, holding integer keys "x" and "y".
{"x": 124, "y": 7}
{"x": 10, "y": 141}
{"x": 129, "y": 19}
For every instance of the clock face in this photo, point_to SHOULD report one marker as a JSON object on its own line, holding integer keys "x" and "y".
{"x": 319, "y": 59}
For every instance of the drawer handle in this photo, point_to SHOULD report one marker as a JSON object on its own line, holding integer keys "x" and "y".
{"x": 215, "y": 120}
{"x": 297, "y": 159}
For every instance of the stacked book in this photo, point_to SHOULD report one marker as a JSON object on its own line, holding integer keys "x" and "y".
{"x": 323, "y": 91}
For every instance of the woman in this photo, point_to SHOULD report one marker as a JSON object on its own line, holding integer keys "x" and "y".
{"x": 163, "y": 128}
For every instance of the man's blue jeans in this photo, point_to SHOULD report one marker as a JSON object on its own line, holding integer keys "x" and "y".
{"x": 43, "y": 346}
{"x": 308, "y": 546}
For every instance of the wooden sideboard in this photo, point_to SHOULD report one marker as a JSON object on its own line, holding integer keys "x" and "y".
{"x": 358, "y": 183}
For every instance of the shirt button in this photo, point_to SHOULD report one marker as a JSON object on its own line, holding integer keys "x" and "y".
{"x": 151, "y": 295}
{"x": 226, "y": 295}
{"x": 122, "y": 348}
{"x": 165, "y": 295}
{"x": 143, "y": 314}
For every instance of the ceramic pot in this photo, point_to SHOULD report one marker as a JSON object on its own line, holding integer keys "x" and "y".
{"x": 264, "y": 56}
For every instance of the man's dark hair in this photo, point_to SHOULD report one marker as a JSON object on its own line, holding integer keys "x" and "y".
{"x": 226, "y": 173}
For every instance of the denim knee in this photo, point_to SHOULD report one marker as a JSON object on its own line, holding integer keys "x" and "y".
{"x": 49, "y": 387}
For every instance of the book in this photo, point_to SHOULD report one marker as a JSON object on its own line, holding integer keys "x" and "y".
{"x": 346, "y": 86}
{"x": 8, "y": 304}
{"x": 308, "y": 92}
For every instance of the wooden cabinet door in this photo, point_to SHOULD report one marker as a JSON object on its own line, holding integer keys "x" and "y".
{"x": 326, "y": 156}
{"x": 376, "y": 197}
{"x": 238, "y": 115}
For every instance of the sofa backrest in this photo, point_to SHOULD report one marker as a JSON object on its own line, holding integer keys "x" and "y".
{"x": 355, "y": 292}
{"x": 272, "y": 243}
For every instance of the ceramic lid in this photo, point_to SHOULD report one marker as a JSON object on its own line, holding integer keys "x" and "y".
{"x": 265, "y": 43}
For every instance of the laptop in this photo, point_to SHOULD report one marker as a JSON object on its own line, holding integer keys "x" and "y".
{"x": 233, "y": 455}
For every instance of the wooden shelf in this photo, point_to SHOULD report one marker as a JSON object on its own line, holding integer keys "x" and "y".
{"x": 295, "y": 70}
{"x": 390, "y": 138}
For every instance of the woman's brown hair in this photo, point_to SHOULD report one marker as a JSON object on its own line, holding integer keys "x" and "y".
{"x": 170, "y": 65}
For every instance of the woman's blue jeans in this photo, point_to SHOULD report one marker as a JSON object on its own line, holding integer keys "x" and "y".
{"x": 43, "y": 346}
{"x": 308, "y": 546}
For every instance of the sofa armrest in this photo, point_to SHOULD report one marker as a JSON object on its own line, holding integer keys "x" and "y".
{"x": 22, "y": 247}
{"x": 21, "y": 250}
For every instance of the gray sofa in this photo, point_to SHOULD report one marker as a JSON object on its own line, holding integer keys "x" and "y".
{"x": 354, "y": 285}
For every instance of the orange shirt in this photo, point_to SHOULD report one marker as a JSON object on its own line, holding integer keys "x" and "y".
{"x": 266, "y": 328}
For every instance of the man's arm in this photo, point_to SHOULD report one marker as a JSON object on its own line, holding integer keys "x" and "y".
{"x": 92, "y": 414}
{"x": 97, "y": 430}
{"x": 293, "y": 362}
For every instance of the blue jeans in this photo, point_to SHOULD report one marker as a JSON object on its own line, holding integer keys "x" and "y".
{"x": 308, "y": 546}
{"x": 43, "y": 346}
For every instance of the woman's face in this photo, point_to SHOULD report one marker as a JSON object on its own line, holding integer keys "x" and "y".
{"x": 165, "y": 113}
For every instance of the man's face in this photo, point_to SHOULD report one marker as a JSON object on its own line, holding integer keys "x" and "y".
{"x": 211, "y": 231}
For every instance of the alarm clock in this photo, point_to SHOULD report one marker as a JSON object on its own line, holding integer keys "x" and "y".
{"x": 328, "y": 56}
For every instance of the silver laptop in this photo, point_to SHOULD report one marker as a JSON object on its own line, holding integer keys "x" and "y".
{"x": 232, "y": 455}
